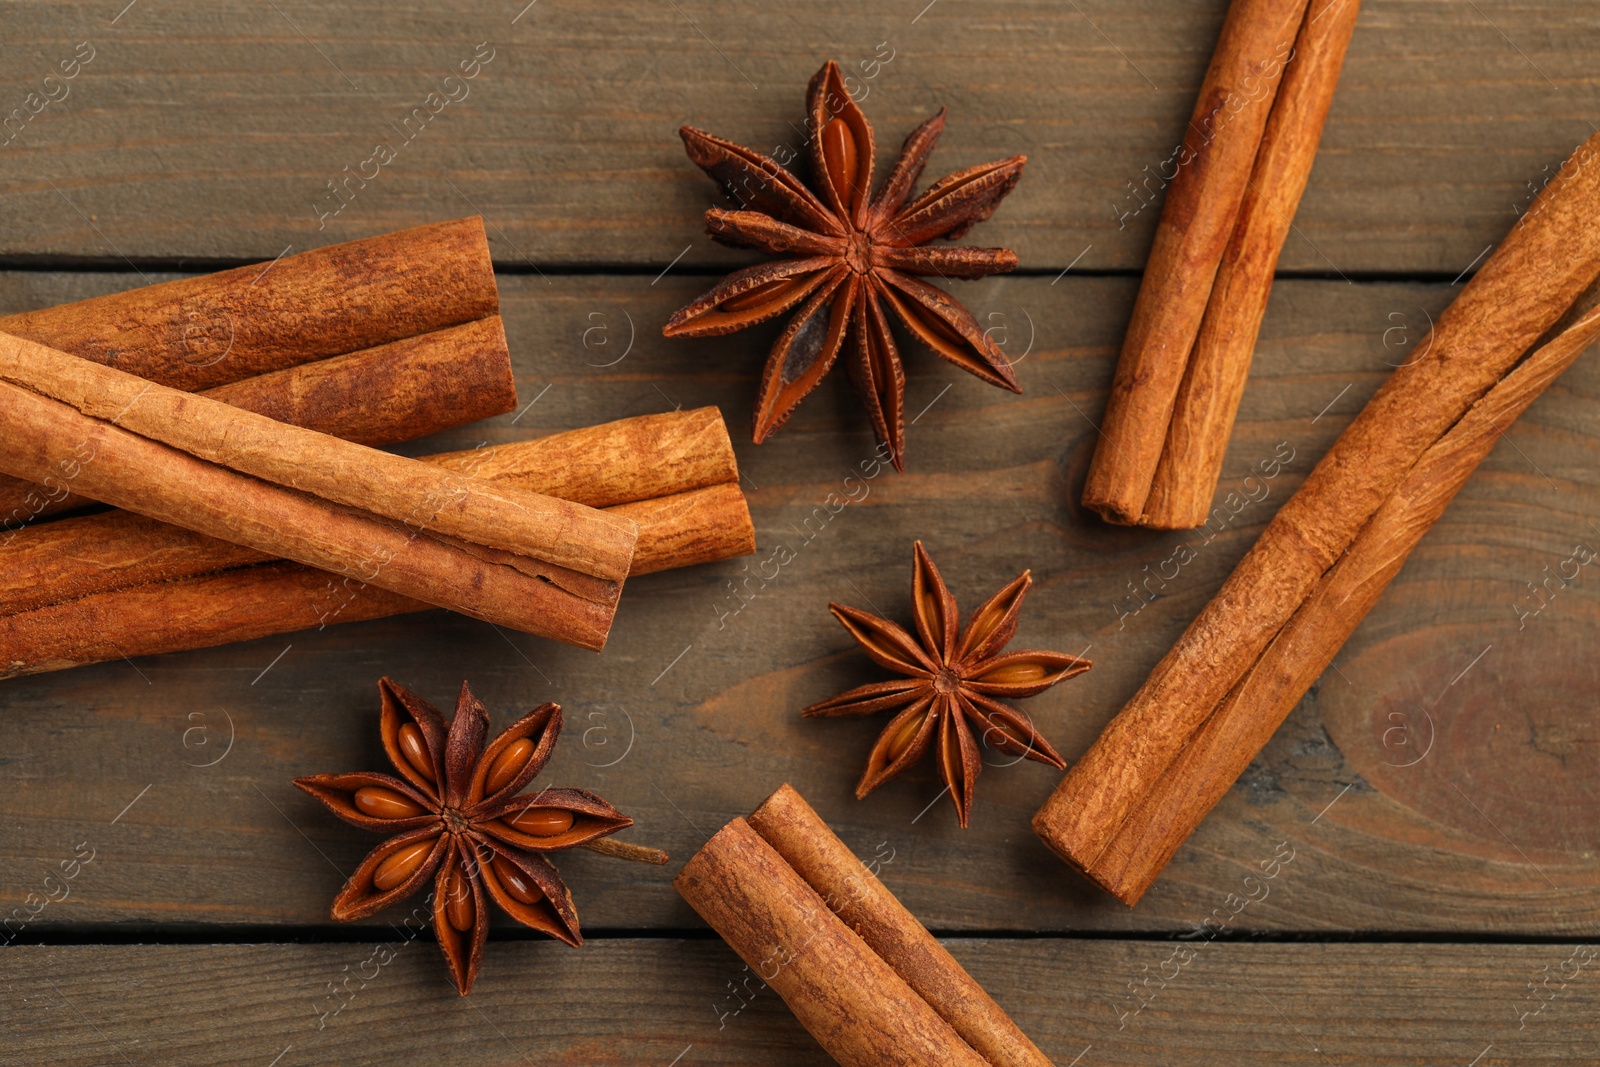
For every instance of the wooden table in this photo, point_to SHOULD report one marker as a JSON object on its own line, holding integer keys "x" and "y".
{"x": 1438, "y": 788}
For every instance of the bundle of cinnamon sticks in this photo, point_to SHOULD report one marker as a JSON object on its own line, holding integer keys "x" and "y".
{"x": 1239, "y": 173}
{"x": 1242, "y": 665}
{"x": 378, "y": 341}
{"x": 86, "y": 589}
{"x": 319, "y": 355}
{"x": 856, "y": 968}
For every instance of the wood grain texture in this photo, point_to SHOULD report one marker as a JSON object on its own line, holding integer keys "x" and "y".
{"x": 215, "y": 132}
{"x": 646, "y": 1002}
{"x": 692, "y": 715}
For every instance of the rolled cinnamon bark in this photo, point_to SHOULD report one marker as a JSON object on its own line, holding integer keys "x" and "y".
{"x": 1233, "y": 736}
{"x": 377, "y": 396}
{"x": 798, "y": 834}
{"x": 1214, "y": 164}
{"x": 1530, "y": 282}
{"x": 195, "y": 333}
{"x": 100, "y": 587}
{"x": 859, "y": 1010}
{"x": 1214, "y": 377}
{"x": 246, "y": 600}
{"x": 526, "y": 560}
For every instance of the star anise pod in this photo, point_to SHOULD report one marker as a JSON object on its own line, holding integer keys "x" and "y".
{"x": 456, "y": 818}
{"x": 851, "y": 260}
{"x": 952, "y": 680}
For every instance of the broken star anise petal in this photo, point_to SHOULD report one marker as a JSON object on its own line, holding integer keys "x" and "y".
{"x": 857, "y": 255}
{"x": 458, "y": 819}
{"x": 947, "y": 696}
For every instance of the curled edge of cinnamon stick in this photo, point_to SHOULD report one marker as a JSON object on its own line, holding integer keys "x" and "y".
{"x": 866, "y": 905}
{"x": 1529, "y": 283}
{"x": 118, "y": 585}
{"x": 1207, "y": 403}
{"x": 1221, "y": 749}
{"x": 860, "y": 1011}
{"x": 200, "y": 332}
{"x": 376, "y": 396}
{"x": 1197, "y": 220}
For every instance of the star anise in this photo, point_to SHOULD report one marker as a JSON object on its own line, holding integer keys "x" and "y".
{"x": 852, "y": 259}
{"x": 457, "y": 819}
{"x": 952, "y": 680}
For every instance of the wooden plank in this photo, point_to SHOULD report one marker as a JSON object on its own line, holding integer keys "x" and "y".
{"x": 691, "y": 715}
{"x": 214, "y": 131}
{"x": 660, "y": 1002}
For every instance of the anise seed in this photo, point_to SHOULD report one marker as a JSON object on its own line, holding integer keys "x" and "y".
{"x": 507, "y": 764}
{"x": 542, "y": 822}
{"x": 904, "y": 736}
{"x": 984, "y": 624}
{"x": 401, "y": 865}
{"x": 415, "y": 751}
{"x": 459, "y": 905}
{"x": 515, "y": 882}
{"x": 929, "y": 606}
{"x": 381, "y": 802}
{"x": 1013, "y": 673}
{"x": 839, "y": 152}
{"x": 953, "y": 771}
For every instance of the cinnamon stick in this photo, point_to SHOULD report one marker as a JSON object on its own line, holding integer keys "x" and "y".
{"x": 195, "y": 333}
{"x": 526, "y": 560}
{"x": 101, "y": 587}
{"x": 1525, "y": 288}
{"x": 1244, "y": 722}
{"x": 859, "y": 1010}
{"x": 865, "y": 904}
{"x": 1214, "y": 377}
{"x": 1214, "y": 164}
{"x": 378, "y": 396}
